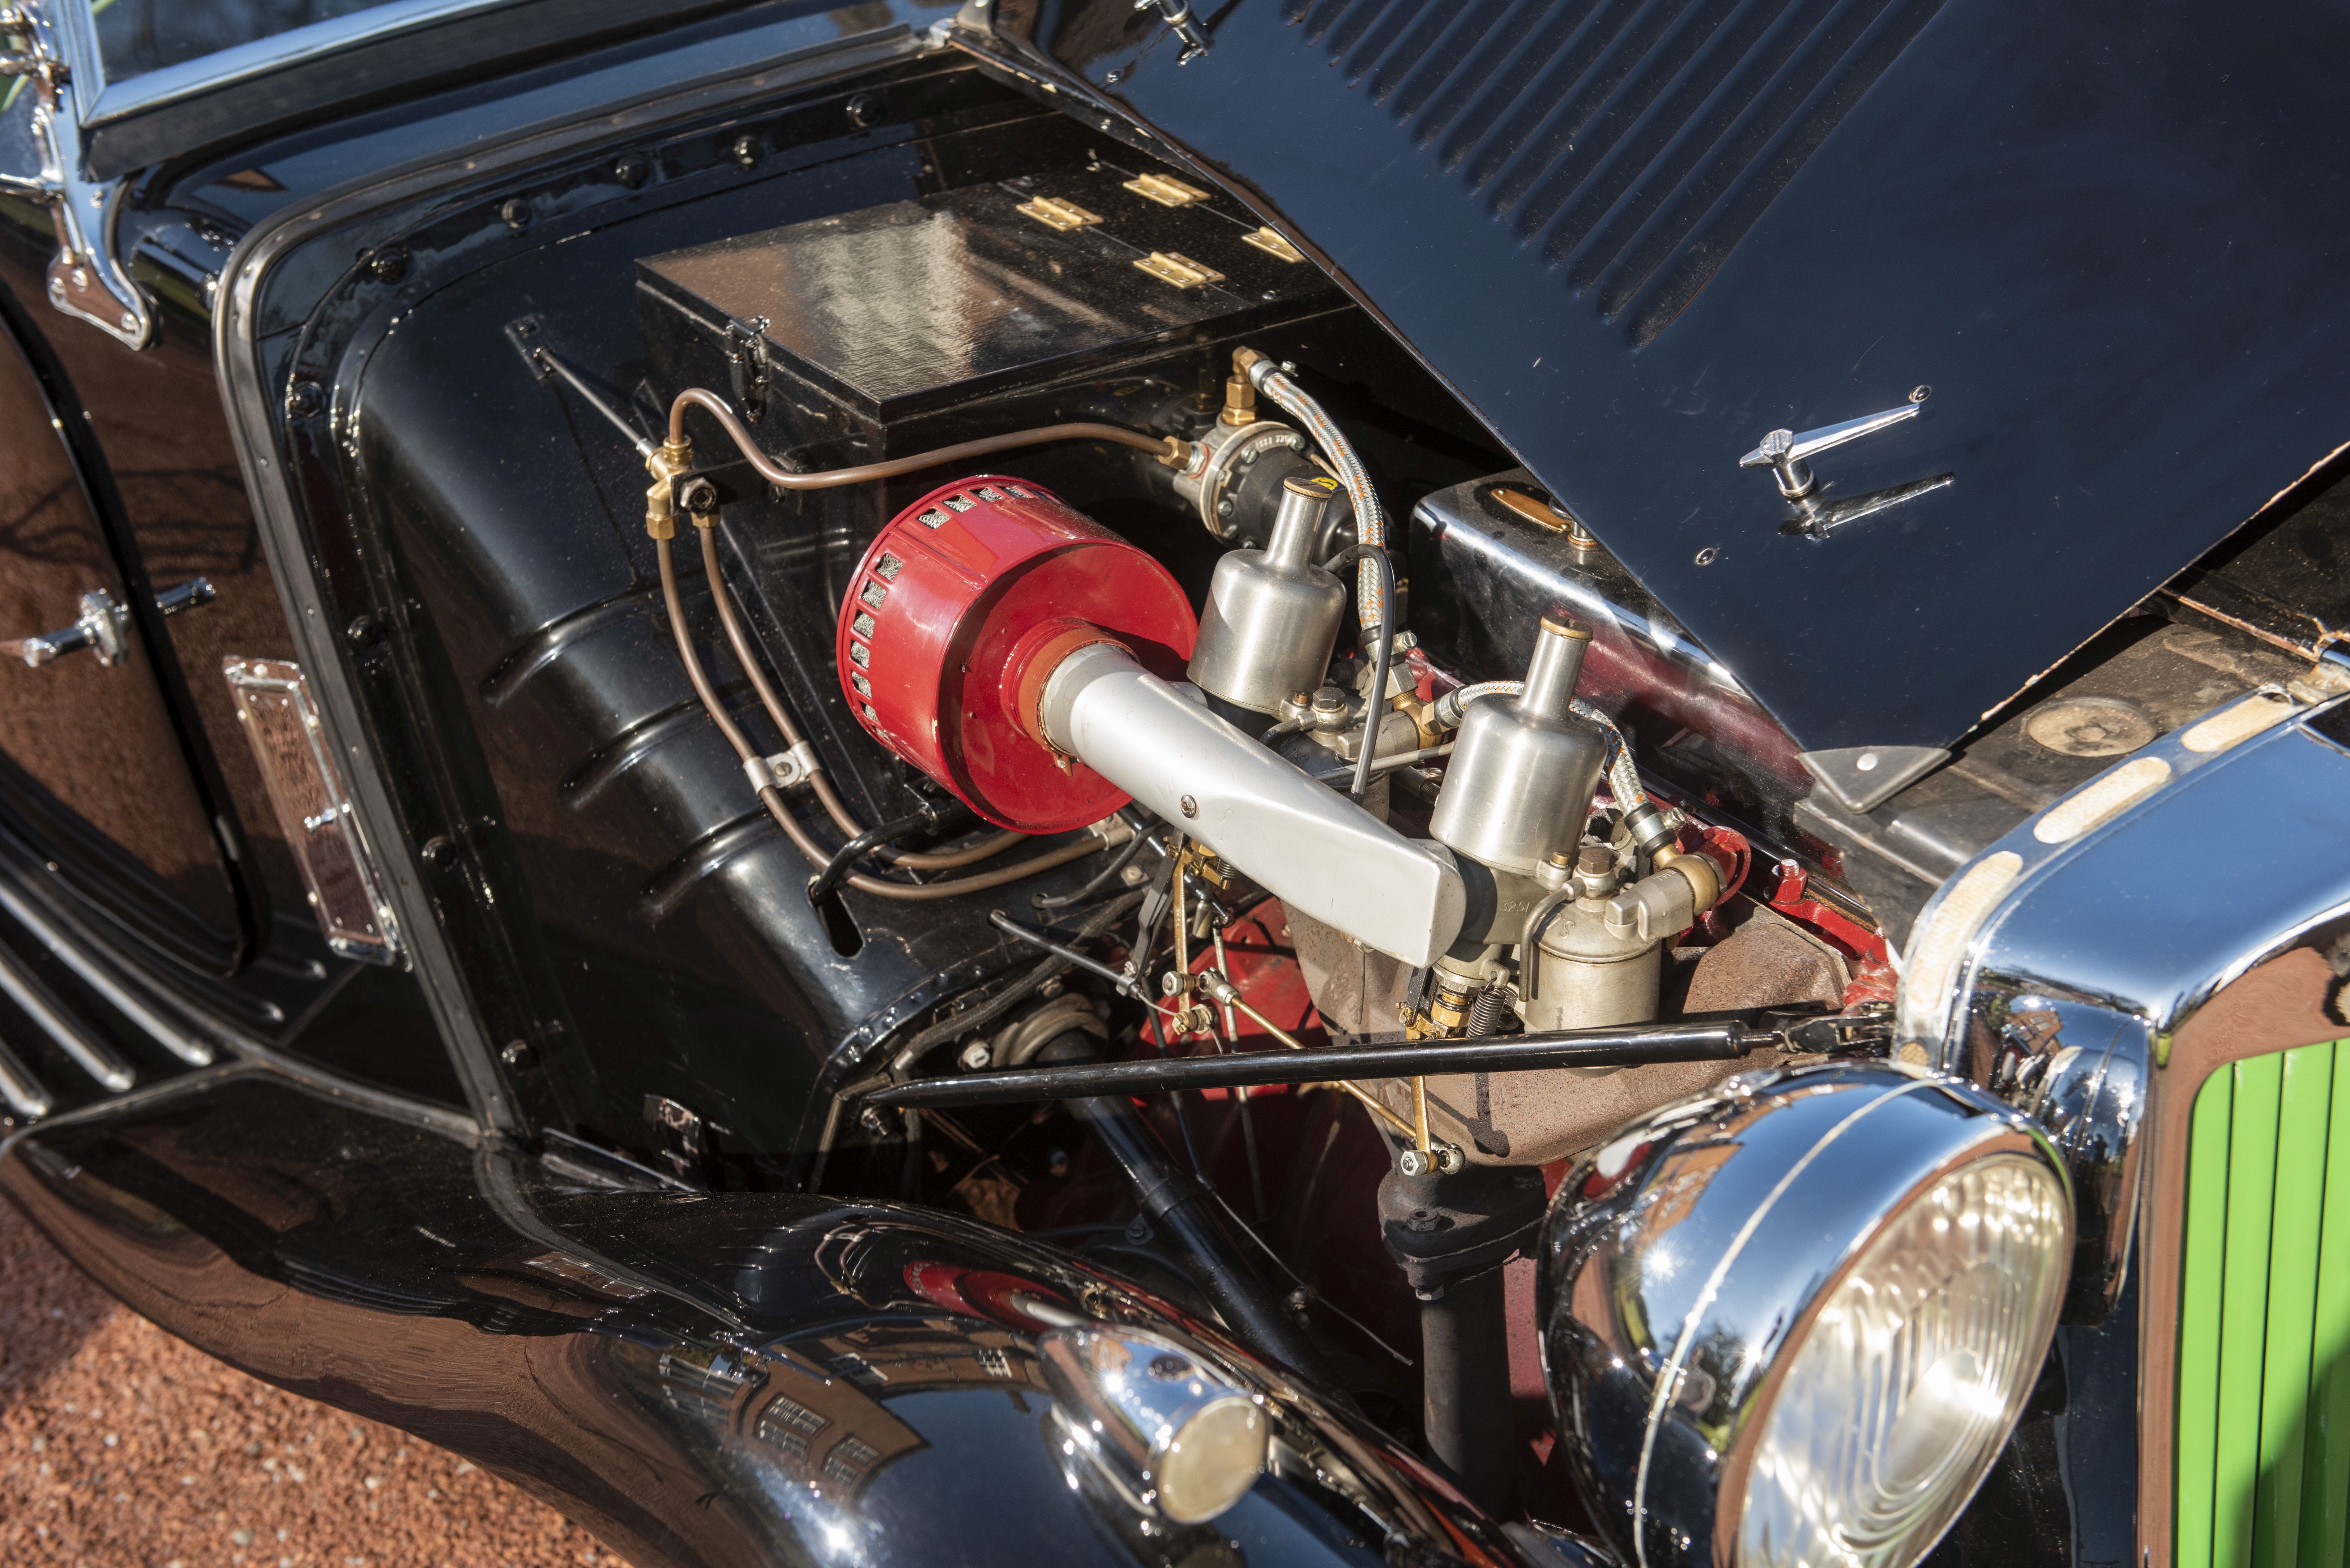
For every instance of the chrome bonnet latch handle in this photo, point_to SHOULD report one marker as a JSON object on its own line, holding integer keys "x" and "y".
{"x": 1785, "y": 454}
{"x": 103, "y": 626}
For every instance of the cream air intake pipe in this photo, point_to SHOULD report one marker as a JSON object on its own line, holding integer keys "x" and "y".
{"x": 1305, "y": 843}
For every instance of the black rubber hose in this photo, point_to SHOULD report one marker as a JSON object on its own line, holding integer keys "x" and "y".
{"x": 1175, "y": 1204}
{"x": 929, "y": 818}
{"x": 1125, "y": 859}
{"x": 1465, "y": 1364}
{"x": 1375, "y": 708}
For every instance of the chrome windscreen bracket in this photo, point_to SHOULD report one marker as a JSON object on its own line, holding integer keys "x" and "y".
{"x": 54, "y": 56}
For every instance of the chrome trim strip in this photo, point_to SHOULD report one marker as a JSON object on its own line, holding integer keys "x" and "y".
{"x": 245, "y": 62}
{"x": 93, "y": 1056}
{"x": 25, "y": 1094}
{"x": 179, "y": 1042}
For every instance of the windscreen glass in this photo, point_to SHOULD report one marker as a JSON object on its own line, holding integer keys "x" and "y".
{"x": 135, "y": 36}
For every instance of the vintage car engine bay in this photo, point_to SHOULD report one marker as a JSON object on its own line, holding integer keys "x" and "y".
{"x": 1038, "y": 515}
{"x": 1095, "y": 602}
{"x": 910, "y": 666}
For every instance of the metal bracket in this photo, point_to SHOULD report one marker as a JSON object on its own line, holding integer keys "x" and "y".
{"x": 746, "y": 366}
{"x": 685, "y": 1140}
{"x": 1862, "y": 778}
{"x": 85, "y": 279}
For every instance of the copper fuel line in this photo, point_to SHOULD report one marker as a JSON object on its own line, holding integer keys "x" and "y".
{"x": 674, "y": 458}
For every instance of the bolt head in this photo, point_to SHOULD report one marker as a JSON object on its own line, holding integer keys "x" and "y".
{"x": 745, "y": 150}
{"x": 1411, "y": 1162}
{"x": 516, "y": 213}
{"x": 1133, "y": 876}
{"x": 1188, "y": 806}
{"x": 518, "y": 1055}
{"x": 632, "y": 171}
{"x": 388, "y": 265}
{"x": 1403, "y": 1012}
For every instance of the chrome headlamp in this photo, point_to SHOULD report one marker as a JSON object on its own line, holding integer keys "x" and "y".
{"x": 1794, "y": 1320}
{"x": 1171, "y": 1432}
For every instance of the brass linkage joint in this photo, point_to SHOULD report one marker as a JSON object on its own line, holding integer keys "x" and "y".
{"x": 1448, "y": 1013}
{"x": 665, "y": 463}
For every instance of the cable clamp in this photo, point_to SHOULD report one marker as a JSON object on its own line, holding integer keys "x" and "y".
{"x": 795, "y": 766}
{"x": 762, "y": 773}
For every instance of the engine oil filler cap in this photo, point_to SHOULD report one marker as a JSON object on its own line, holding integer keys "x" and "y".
{"x": 959, "y": 604}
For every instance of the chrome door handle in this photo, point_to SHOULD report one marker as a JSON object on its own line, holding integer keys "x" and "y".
{"x": 1784, "y": 451}
{"x": 102, "y": 625}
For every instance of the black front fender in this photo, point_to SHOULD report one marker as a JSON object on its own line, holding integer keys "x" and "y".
{"x": 700, "y": 1379}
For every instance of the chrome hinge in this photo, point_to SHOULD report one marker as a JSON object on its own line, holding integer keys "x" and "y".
{"x": 85, "y": 279}
{"x": 347, "y": 887}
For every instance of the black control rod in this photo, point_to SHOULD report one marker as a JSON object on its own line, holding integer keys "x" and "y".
{"x": 1712, "y": 1040}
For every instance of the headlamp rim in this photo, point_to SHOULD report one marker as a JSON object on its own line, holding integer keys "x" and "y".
{"x": 2010, "y": 1135}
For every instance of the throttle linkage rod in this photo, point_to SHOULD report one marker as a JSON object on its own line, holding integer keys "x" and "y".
{"x": 1721, "y": 1038}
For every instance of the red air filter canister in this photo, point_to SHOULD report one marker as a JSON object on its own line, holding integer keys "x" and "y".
{"x": 963, "y": 606}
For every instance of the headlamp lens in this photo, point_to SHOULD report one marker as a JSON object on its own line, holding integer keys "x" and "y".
{"x": 1903, "y": 1390}
{"x": 1212, "y": 1461}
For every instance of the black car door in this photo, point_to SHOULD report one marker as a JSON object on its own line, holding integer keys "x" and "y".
{"x": 94, "y": 777}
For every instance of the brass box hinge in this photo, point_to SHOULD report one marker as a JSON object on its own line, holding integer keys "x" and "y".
{"x": 1057, "y": 214}
{"x": 1179, "y": 270}
{"x": 1167, "y": 193}
{"x": 1273, "y": 244}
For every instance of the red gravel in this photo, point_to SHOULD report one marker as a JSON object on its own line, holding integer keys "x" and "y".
{"x": 122, "y": 1448}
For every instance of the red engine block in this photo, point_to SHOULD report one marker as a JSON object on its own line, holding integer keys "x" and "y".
{"x": 959, "y": 612}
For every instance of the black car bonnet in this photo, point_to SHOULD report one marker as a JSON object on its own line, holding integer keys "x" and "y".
{"x": 1639, "y": 236}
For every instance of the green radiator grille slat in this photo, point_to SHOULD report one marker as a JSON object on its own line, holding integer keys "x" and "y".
{"x": 2263, "y": 1406}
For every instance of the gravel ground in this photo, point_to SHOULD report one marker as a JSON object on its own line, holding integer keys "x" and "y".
{"x": 121, "y": 1447}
